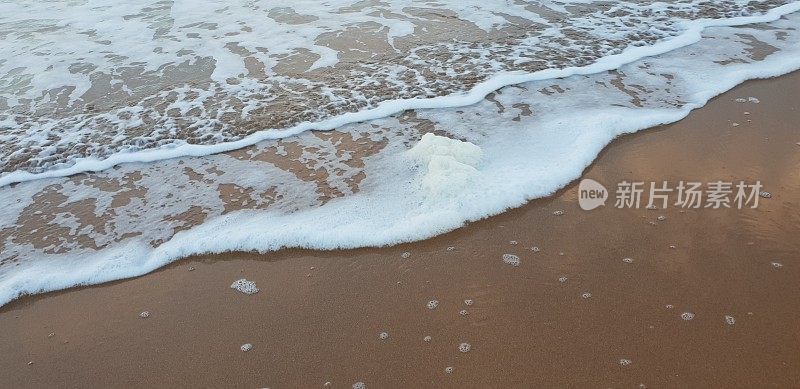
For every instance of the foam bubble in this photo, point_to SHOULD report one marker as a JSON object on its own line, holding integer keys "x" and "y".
{"x": 777, "y": 265}
{"x": 730, "y": 320}
{"x": 687, "y": 316}
{"x": 586, "y": 295}
{"x": 246, "y": 347}
{"x": 359, "y": 385}
{"x": 625, "y": 362}
{"x": 464, "y": 347}
{"x": 432, "y": 304}
{"x": 245, "y": 286}
{"x": 144, "y": 314}
{"x": 427, "y": 338}
{"x": 562, "y": 279}
{"x": 627, "y": 260}
{"x": 405, "y": 255}
{"x": 383, "y": 336}
{"x": 511, "y": 259}
{"x": 463, "y": 312}
{"x": 468, "y": 302}
{"x": 448, "y": 369}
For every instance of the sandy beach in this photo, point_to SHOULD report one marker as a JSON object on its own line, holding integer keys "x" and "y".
{"x": 574, "y": 313}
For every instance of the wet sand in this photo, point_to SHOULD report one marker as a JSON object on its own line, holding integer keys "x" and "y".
{"x": 318, "y": 315}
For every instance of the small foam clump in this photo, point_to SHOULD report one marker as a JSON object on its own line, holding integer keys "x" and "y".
{"x": 448, "y": 369}
{"x": 586, "y": 295}
{"x": 625, "y": 362}
{"x": 433, "y": 304}
{"x": 405, "y": 255}
{"x": 427, "y": 338}
{"x": 246, "y": 347}
{"x": 451, "y": 164}
{"x": 468, "y": 302}
{"x": 777, "y": 265}
{"x": 511, "y": 259}
{"x": 359, "y": 385}
{"x": 383, "y": 336}
{"x": 144, "y": 314}
{"x": 464, "y": 347}
{"x": 562, "y": 279}
{"x": 730, "y": 320}
{"x": 245, "y": 286}
{"x": 627, "y": 260}
{"x": 687, "y": 316}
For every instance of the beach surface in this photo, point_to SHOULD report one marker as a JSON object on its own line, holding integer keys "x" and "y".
{"x": 612, "y": 297}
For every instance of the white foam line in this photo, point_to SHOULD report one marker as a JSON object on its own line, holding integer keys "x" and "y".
{"x": 692, "y": 34}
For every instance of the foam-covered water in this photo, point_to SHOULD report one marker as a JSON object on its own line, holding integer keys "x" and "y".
{"x": 366, "y": 183}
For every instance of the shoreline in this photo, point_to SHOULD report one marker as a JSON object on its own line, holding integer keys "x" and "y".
{"x": 311, "y": 326}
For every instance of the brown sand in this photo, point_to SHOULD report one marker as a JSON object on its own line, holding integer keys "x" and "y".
{"x": 311, "y": 326}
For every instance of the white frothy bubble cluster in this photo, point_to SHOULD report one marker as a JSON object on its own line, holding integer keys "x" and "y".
{"x": 383, "y": 336}
{"x": 427, "y": 338}
{"x": 468, "y": 302}
{"x": 669, "y": 306}
{"x": 246, "y": 347}
{"x": 463, "y": 312}
{"x": 559, "y": 212}
{"x": 513, "y": 242}
{"x": 586, "y": 295}
{"x": 405, "y": 255}
{"x": 662, "y": 218}
{"x": 144, "y": 314}
{"x": 687, "y": 316}
{"x": 627, "y": 260}
{"x": 448, "y": 369}
{"x": 535, "y": 249}
{"x": 451, "y": 248}
{"x": 511, "y": 259}
{"x": 433, "y": 304}
{"x": 625, "y": 362}
{"x": 464, "y": 347}
{"x": 562, "y": 279}
{"x": 777, "y": 265}
{"x": 730, "y": 320}
{"x": 245, "y": 286}
{"x": 359, "y": 385}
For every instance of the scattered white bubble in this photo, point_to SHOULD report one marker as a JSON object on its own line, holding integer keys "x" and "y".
{"x": 448, "y": 369}
{"x": 451, "y": 248}
{"x": 627, "y": 260}
{"x": 559, "y": 212}
{"x": 144, "y": 314}
{"x": 405, "y": 255}
{"x": 765, "y": 194}
{"x": 535, "y": 249}
{"x": 687, "y": 316}
{"x": 464, "y": 347}
{"x": 670, "y": 306}
{"x": 191, "y": 268}
{"x": 327, "y": 384}
{"x": 52, "y": 334}
{"x": 463, "y": 312}
{"x": 513, "y": 242}
{"x": 468, "y": 302}
{"x": 359, "y": 385}
{"x": 427, "y": 338}
{"x": 511, "y": 259}
{"x": 562, "y": 279}
{"x": 741, "y": 100}
{"x": 586, "y": 295}
{"x": 245, "y": 286}
{"x": 651, "y": 206}
{"x": 625, "y": 362}
{"x": 753, "y": 100}
{"x": 246, "y": 347}
{"x": 661, "y": 218}
{"x": 383, "y": 336}
{"x": 433, "y": 304}
{"x": 746, "y": 113}
{"x": 730, "y": 320}
{"x": 735, "y": 124}
{"x": 777, "y": 265}
{"x": 672, "y": 246}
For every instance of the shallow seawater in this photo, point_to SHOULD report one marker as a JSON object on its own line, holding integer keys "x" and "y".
{"x": 141, "y": 81}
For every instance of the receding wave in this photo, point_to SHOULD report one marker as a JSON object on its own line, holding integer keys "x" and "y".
{"x": 87, "y": 85}
{"x": 403, "y": 177}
